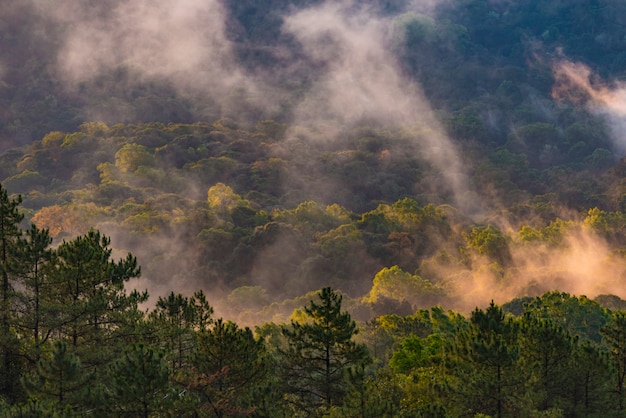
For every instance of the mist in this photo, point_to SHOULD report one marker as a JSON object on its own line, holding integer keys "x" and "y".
{"x": 185, "y": 46}
{"x": 348, "y": 77}
{"x": 576, "y": 82}
{"x": 361, "y": 84}
{"x": 127, "y": 45}
{"x": 584, "y": 264}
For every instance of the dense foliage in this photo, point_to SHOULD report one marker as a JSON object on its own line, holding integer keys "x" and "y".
{"x": 75, "y": 343}
{"x": 215, "y": 207}
{"x": 255, "y": 197}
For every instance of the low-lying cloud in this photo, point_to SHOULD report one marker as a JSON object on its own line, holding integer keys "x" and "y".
{"x": 576, "y": 82}
{"x": 362, "y": 84}
{"x": 180, "y": 43}
{"x": 184, "y": 45}
{"x": 356, "y": 78}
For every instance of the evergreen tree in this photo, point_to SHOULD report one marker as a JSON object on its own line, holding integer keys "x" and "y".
{"x": 92, "y": 300}
{"x": 58, "y": 378}
{"x": 320, "y": 351}
{"x": 175, "y": 320}
{"x": 590, "y": 373}
{"x": 546, "y": 352}
{"x": 10, "y": 233}
{"x": 139, "y": 382}
{"x": 614, "y": 335}
{"x": 579, "y": 316}
{"x": 227, "y": 369}
{"x": 203, "y": 312}
{"x": 35, "y": 322}
{"x": 93, "y": 312}
{"x": 486, "y": 364}
{"x": 364, "y": 398}
{"x": 35, "y": 409}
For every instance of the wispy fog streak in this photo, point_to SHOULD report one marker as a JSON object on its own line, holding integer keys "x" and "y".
{"x": 576, "y": 82}
{"x": 361, "y": 83}
{"x": 181, "y": 43}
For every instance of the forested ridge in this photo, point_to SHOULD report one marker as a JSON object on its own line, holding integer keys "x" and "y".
{"x": 312, "y": 208}
{"x": 76, "y": 343}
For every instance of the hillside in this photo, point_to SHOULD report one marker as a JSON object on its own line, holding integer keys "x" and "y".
{"x": 265, "y": 150}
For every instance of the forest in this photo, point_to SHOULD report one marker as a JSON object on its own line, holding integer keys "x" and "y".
{"x": 313, "y": 208}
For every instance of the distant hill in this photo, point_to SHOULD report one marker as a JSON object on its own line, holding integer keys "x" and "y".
{"x": 294, "y": 144}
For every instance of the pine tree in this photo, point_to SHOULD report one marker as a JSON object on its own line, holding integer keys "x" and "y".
{"x": 614, "y": 334}
{"x": 35, "y": 322}
{"x": 591, "y": 374}
{"x": 364, "y": 398}
{"x": 92, "y": 302}
{"x": 35, "y": 409}
{"x": 227, "y": 369}
{"x": 92, "y": 311}
{"x": 320, "y": 351}
{"x": 486, "y": 364}
{"x": 546, "y": 351}
{"x": 10, "y": 233}
{"x": 139, "y": 382}
{"x": 174, "y": 320}
{"x": 58, "y": 378}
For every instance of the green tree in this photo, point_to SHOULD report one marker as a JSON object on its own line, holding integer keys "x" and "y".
{"x": 175, "y": 320}
{"x": 91, "y": 310}
{"x": 35, "y": 319}
{"x": 320, "y": 351}
{"x": 59, "y": 377}
{"x": 345, "y": 252}
{"x": 10, "y": 233}
{"x": 92, "y": 303}
{"x": 489, "y": 241}
{"x": 579, "y": 316}
{"x": 393, "y": 283}
{"x": 539, "y": 141}
{"x": 591, "y": 376}
{"x": 546, "y": 354}
{"x": 366, "y": 397}
{"x": 227, "y": 369}
{"x": 35, "y": 409}
{"x": 309, "y": 218}
{"x": 415, "y": 352}
{"x": 610, "y": 225}
{"x": 486, "y": 362}
{"x": 132, "y": 156}
{"x": 614, "y": 335}
{"x": 139, "y": 382}
{"x": 222, "y": 199}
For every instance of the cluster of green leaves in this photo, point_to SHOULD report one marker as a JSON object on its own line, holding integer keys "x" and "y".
{"x": 557, "y": 355}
